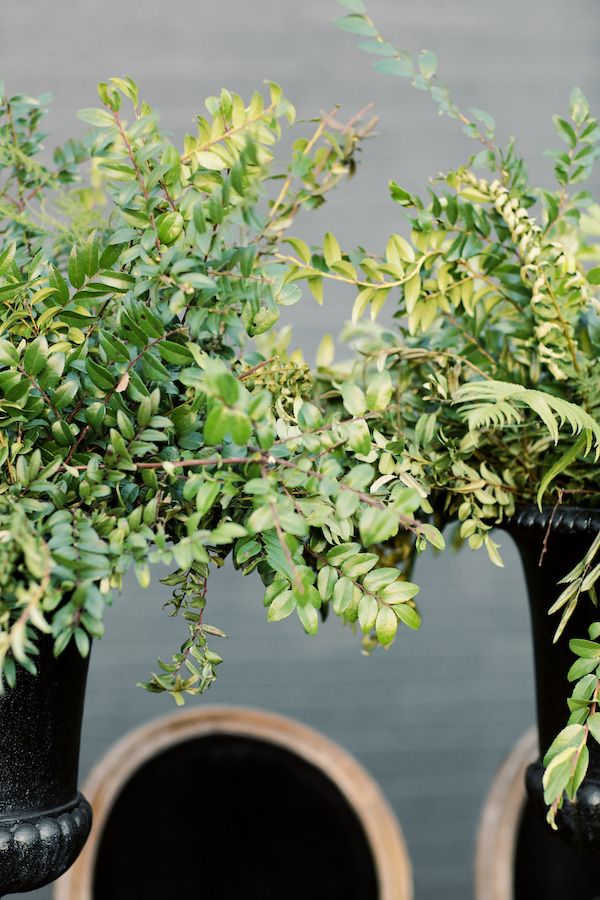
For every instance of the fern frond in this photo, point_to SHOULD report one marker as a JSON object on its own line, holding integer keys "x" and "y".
{"x": 487, "y": 402}
{"x": 491, "y": 415}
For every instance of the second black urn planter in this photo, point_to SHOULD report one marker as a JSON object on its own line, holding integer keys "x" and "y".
{"x": 568, "y": 533}
{"x": 44, "y": 820}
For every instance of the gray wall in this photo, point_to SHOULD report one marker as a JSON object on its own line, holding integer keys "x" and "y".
{"x": 432, "y": 718}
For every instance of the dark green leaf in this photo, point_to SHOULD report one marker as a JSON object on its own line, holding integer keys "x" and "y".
{"x": 100, "y": 375}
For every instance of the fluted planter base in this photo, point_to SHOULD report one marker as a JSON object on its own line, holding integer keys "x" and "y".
{"x": 37, "y": 849}
{"x": 44, "y": 820}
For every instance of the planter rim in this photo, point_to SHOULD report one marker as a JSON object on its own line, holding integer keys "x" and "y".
{"x": 562, "y": 519}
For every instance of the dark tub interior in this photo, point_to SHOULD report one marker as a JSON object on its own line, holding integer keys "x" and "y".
{"x": 230, "y": 817}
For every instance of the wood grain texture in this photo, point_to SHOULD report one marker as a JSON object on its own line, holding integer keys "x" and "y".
{"x": 499, "y": 824}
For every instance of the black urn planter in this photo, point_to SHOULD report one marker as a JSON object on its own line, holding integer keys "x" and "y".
{"x": 570, "y": 533}
{"x": 44, "y": 820}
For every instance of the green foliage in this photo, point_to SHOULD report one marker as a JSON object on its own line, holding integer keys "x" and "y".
{"x": 566, "y": 760}
{"x": 140, "y": 422}
{"x": 492, "y": 392}
{"x": 149, "y": 412}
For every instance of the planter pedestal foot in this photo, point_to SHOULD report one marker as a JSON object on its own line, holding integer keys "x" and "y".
{"x": 35, "y": 850}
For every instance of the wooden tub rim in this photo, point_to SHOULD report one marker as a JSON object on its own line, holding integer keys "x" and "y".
{"x": 499, "y": 823}
{"x": 109, "y": 776}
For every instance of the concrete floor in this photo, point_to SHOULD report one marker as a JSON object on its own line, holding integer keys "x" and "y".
{"x": 432, "y": 718}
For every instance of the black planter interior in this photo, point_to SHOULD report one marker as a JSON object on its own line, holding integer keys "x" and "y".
{"x": 233, "y": 817}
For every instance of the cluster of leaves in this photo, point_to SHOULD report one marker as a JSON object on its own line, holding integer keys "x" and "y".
{"x": 25, "y": 587}
{"x": 139, "y": 423}
{"x": 566, "y": 761}
{"x": 491, "y": 372}
{"x": 148, "y": 412}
